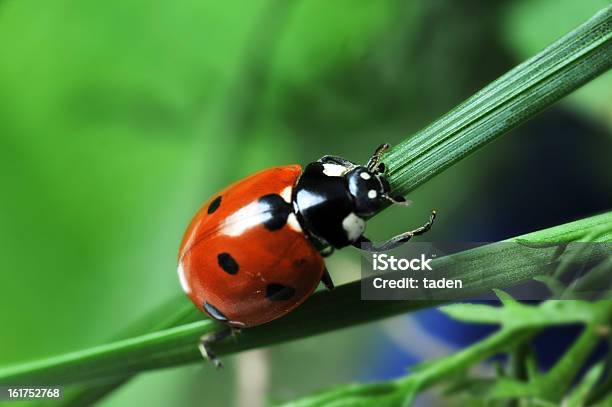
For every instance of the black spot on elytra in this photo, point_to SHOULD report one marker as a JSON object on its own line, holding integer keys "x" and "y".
{"x": 214, "y": 205}
{"x": 214, "y": 312}
{"x": 279, "y": 292}
{"x": 227, "y": 263}
{"x": 278, "y": 208}
{"x": 299, "y": 263}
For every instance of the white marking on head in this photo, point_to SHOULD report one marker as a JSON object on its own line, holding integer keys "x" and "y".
{"x": 333, "y": 170}
{"x": 354, "y": 226}
{"x": 365, "y": 175}
{"x": 286, "y": 194}
{"x": 372, "y": 194}
{"x": 183, "y": 278}
{"x": 293, "y": 223}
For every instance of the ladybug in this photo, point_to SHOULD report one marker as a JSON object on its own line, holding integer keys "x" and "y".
{"x": 255, "y": 250}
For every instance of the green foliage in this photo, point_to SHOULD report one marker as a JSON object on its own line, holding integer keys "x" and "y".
{"x": 518, "y": 323}
{"x": 105, "y": 129}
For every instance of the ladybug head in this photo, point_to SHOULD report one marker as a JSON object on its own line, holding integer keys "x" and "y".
{"x": 369, "y": 189}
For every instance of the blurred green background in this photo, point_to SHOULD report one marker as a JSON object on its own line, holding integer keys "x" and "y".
{"x": 119, "y": 118}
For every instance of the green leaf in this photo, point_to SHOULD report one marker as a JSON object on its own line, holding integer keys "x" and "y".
{"x": 505, "y": 298}
{"x": 516, "y": 314}
{"x": 555, "y": 286}
{"x": 473, "y": 313}
{"x": 531, "y": 365}
{"x": 446, "y": 369}
{"x": 377, "y": 394}
{"x": 492, "y": 389}
{"x": 581, "y": 392}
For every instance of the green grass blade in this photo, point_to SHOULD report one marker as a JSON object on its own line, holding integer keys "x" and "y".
{"x": 520, "y": 94}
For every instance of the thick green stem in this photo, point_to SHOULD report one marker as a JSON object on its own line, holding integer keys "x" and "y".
{"x": 515, "y": 97}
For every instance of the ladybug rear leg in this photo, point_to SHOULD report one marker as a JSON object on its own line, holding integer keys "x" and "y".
{"x": 327, "y": 280}
{"x": 364, "y": 243}
{"x": 207, "y": 340}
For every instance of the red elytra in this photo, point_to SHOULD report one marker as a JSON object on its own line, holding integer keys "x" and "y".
{"x": 244, "y": 259}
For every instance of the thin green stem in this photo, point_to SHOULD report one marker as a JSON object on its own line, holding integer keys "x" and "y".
{"x": 565, "y": 370}
{"x": 518, "y": 324}
{"x": 462, "y": 360}
{"x": 141, "y": 352}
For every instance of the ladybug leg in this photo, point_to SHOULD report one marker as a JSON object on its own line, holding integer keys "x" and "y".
{"x": 207, "y": 340}
{"x": 327, "y": 280}
{"x": 327, "y": 251}
{"x": 397, "y": 200}
{"x": 323, "y": 247}
{"x": 235, "y": 332}
{"x": 373, "y": 162}
{"x": 364, "y": 243}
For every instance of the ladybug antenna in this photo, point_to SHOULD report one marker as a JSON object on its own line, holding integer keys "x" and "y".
{"x": 398, "y": 199}
{"x": 373, "y": 162}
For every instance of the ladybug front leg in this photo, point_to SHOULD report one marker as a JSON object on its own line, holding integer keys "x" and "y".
{"x": 207, "y": 340}
{"x": 327, "y": 280}
{"x": 364, "y": 243}
{"x": 374, "y": 161}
